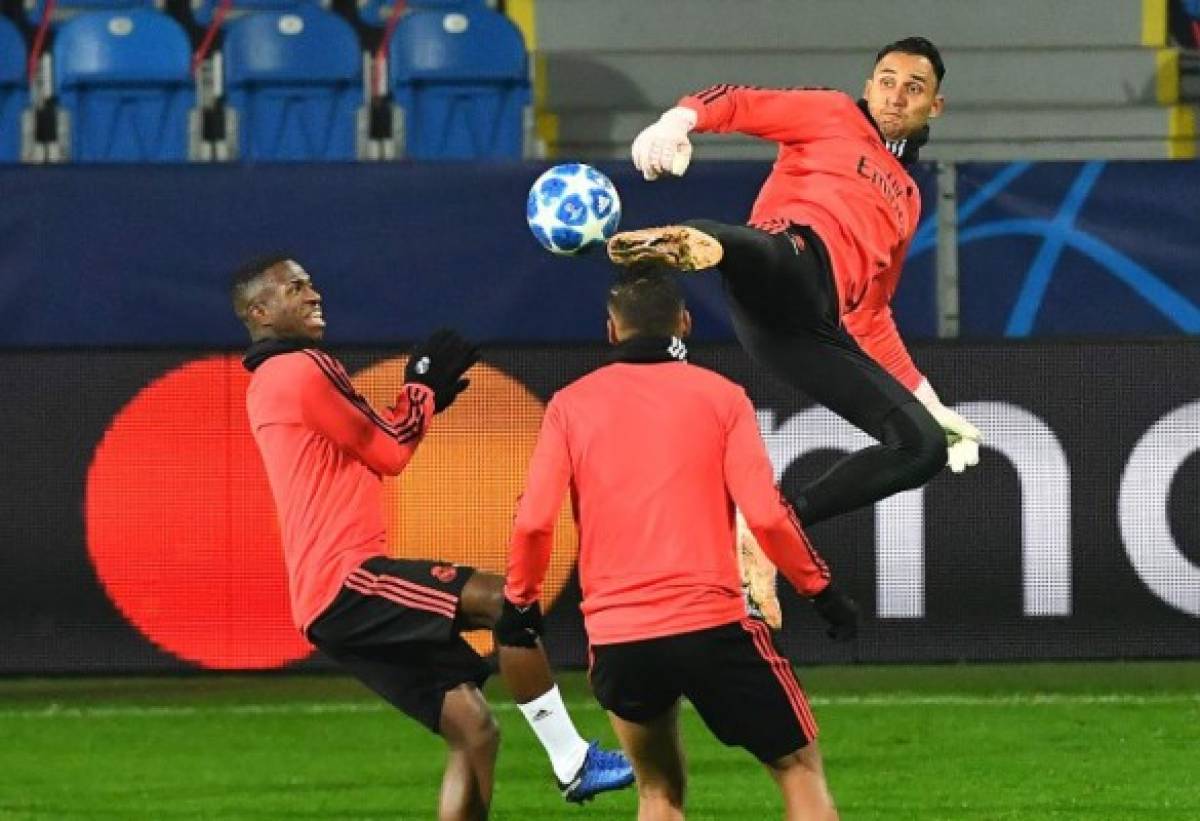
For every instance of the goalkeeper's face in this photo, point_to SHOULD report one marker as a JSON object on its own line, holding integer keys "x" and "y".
{"x": 288, "y": 304}
{"x": 902, "y": 94}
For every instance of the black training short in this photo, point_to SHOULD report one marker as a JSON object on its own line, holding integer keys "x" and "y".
{"x": 745, "y": 691}
{"x": 393, "y": 627}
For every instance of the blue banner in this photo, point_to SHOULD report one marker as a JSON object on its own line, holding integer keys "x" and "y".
{"x": 104, "y": 256}
{"x": 1073, "y": 249}
{"x": 114, "y": 256}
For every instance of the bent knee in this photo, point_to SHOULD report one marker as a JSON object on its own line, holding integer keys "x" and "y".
{"x": 913, "y": 432}
{"x": 929, "y": 457}
{"x": 467, "y": 722}
{"x": 489, "y": 732}
{"x": 483, "y": 734}
{"x": 482, "y": 728}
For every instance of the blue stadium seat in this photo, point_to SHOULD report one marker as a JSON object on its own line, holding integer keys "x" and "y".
{"x": 378, "y": 12}
{"x": 462, "y": 78}
{"x": 65, "y": 9}
{"x": 124, "y": 80}
{"x": 203, "y": 10}
{"x": 294, "y": 81}
{"x": 14, "y": 90}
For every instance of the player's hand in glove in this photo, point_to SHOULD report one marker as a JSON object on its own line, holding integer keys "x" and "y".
{"x": 518, "y": 626}
{"x": 439, "y": 363}
{"x": 839, "y": 611}
{"x": 962, "y": 438}
{"x": 664, "y": 148}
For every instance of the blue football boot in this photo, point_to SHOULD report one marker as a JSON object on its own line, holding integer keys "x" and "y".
{"x": 602, "y": 770}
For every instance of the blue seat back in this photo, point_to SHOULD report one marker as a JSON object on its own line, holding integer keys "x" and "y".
{"x": 378, "y": 12}
{"x": 295, "y": 81}
{"x": 124, "y": 78}
{"x": 462, "y": 79}
{"x": 65, "y": 9}
{"x": 204, "y": 10}
{"x": 14, "y": 90}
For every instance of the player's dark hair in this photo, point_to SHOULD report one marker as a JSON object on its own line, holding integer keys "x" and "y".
{"x": 920, "y": 47}
{"x": 647, "y": 299}
{"x": 242, "y": 284}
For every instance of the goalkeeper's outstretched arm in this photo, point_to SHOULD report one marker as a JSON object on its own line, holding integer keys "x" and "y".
{"x": 781, "y": 115}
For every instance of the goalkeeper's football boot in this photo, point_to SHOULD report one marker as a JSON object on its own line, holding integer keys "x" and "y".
{"x": 767, "y": 610}
{"x": 602, "y": 770}
{"x": 676, "y": 246}
{"x": 758, "y": 578}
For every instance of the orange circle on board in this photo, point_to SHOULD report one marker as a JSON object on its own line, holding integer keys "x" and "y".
{"x": 456, "y": 499}
{"x": 181, "y": 526}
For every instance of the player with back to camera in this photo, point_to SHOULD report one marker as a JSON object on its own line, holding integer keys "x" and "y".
{"x": 656, "y": 452}
{"x": 393, "y": 623}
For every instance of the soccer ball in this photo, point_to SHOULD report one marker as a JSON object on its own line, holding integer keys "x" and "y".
{"x": 572, "y": 208}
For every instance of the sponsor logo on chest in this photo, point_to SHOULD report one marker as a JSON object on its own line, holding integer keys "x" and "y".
{"x": 896, "y": 192}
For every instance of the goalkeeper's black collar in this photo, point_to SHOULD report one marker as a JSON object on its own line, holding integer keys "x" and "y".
{"x": 907, "y": 150}
{"x": 642, "y": 349}
{"x": 262, "y": 350}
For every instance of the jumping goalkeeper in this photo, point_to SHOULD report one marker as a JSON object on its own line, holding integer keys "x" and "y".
{"x": 811, "y": 278}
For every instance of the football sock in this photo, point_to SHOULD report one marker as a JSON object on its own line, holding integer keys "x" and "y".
{"x": 552, "y": 724}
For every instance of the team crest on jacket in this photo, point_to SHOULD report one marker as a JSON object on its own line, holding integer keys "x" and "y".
{"x": 444, "y": 573}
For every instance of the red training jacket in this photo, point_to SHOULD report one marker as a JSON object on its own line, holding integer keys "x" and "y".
{"x": 656, "y": 456}
{"x": 326, "y": 451}
{"x": 834, "y": 172}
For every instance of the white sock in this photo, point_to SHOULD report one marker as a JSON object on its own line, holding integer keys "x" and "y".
{"x": 552, "y": 724}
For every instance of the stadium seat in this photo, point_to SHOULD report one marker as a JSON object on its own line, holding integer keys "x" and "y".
{"x": 123, "y": 79}
{"x": 462, "y": 80}
{"x": 14, "y": 90}
{"x": 378, "y": 12}
{"x": 1191, "y": 12}
{"x": 66, "y": 9}
{"x": 294, "y": 81}
{"x": 203, "y": 10}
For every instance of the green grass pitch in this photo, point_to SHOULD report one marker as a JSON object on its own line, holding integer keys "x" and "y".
{"x": 1047, "y": 741}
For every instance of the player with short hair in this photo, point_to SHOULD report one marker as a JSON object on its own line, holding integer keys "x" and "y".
{"x": 393, "y": 623}
{"x": 811, "y": 278}
{"x": 657, "y": 452}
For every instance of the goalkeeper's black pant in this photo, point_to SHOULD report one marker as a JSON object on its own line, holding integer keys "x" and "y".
{"x": 783, "y": 303}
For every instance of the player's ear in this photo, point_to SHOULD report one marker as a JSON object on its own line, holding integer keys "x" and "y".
{"x": 613, "y": 339}
{"x": 939, "y": 104}
{"x": 685, "y": 324}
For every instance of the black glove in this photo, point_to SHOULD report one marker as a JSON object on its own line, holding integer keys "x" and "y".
{"x": 519, "y": 626}
{"x": 439, "y": 363}
{"x": 839, "y": 611}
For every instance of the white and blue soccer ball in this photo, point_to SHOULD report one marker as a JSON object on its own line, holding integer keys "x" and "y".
{"x": 572, "y": 207}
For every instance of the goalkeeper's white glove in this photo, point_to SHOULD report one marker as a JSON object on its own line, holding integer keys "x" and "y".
{"x": 962, "y": 438}
{"x": 663, "y": 147}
